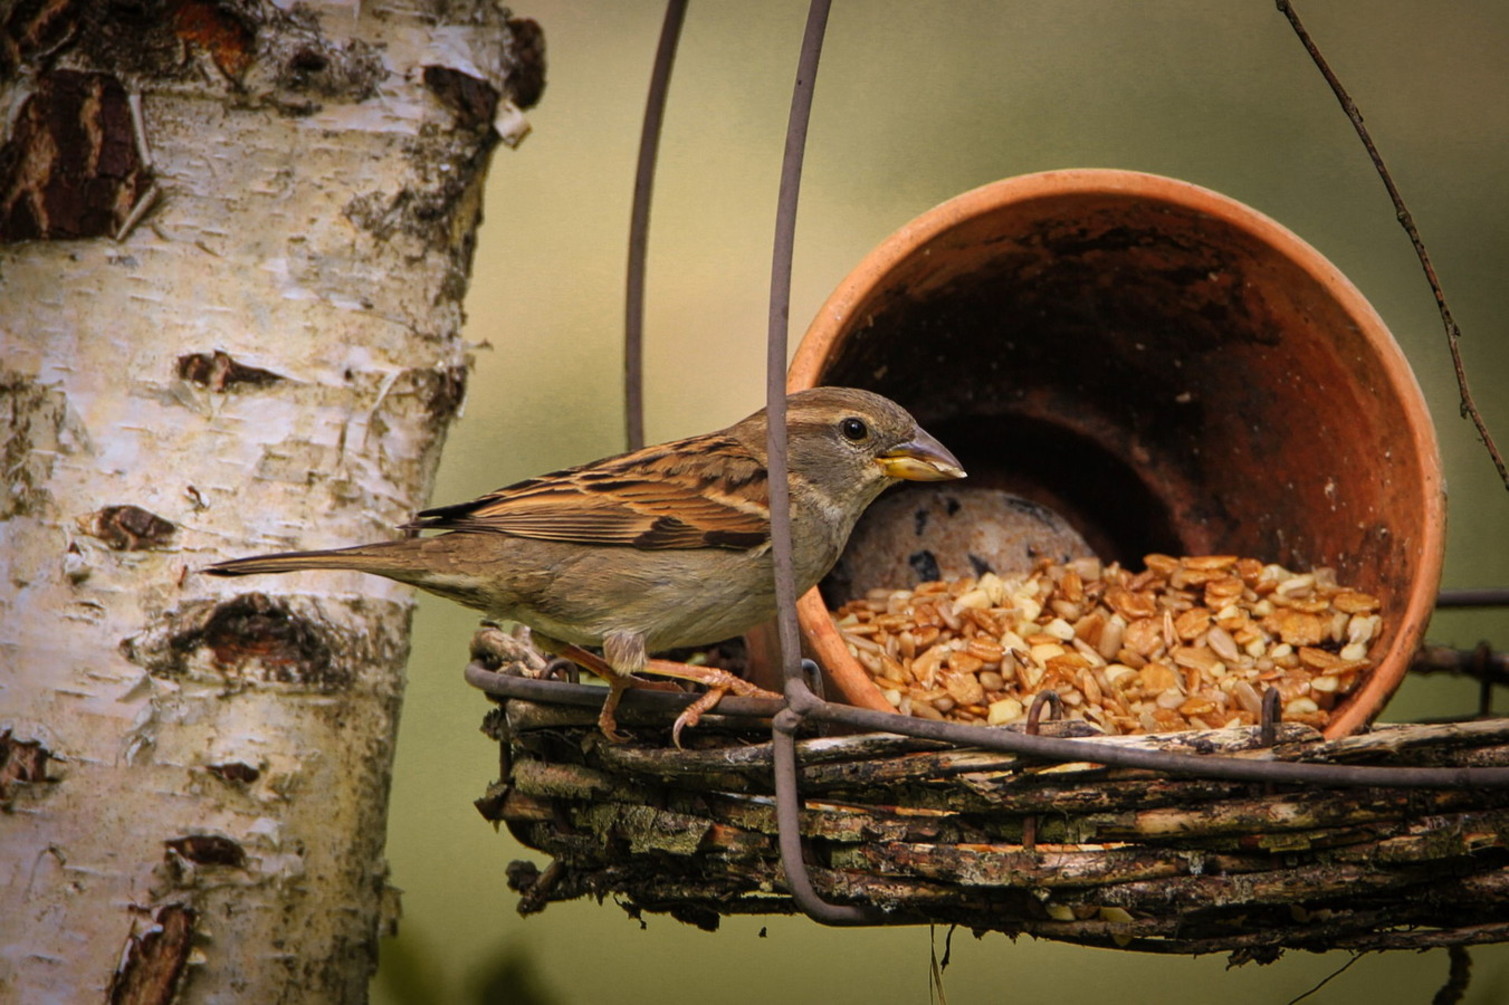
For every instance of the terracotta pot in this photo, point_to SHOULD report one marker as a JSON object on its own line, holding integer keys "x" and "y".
{"x": 1163, "y": 367}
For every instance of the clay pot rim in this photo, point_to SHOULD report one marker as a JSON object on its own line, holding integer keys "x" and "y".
{"x": 813, "y": 353}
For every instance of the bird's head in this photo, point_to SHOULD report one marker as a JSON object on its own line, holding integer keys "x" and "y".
{"x": 850, "y": 444}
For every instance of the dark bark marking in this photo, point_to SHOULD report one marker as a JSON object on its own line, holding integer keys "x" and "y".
{"x": 71, "y": 168}
{"x": 526, "y": 76}
{"x": 251, "y": 636}
{"x": 153, "y": 962}
{"x": 255, "y": 628}
{"x": 208, "y": 849}
{"x": 34, "y": 28}
{"x": 130, "y": 528}
{"x": 235, "y": 772}
{"x": 442, "y": 390}
{"x": 22, "y": 762}
{"x": 473, "y": 101}
{"x": 218, "y": 371}
{"x": 217, "y": 28}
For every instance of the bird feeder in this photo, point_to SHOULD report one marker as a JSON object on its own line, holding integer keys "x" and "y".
{"x": 1153, "y": 367}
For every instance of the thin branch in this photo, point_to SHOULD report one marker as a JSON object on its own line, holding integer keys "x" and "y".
{"x": 1469, "y": 407}
{"x": 1328, "y": 979}
{"x": 935, "y": 991}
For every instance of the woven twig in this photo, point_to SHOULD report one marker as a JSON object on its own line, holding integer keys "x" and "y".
{"x": 1120, "y": 857}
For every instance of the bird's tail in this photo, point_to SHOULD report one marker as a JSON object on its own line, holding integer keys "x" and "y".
{"x": 378, "y": 558}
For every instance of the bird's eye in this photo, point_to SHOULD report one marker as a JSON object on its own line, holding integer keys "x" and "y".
{"x": 854, "y": 429}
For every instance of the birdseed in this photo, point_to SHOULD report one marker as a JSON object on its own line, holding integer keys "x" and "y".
{"x": 1189, "y": 643}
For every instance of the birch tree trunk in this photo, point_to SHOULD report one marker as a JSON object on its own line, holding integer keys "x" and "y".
{"x": 234, "y": 240}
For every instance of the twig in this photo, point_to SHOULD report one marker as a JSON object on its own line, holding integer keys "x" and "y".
{"x": 1469, "y": 407}
{"x": 1328, "y": 979}
{"x": 935, "y": 992}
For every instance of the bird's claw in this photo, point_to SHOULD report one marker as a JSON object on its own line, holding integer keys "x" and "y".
{"x": 718, "y": 683}
{"x": 607, "y": 719}
{"x": 610, "y": 730}
{"x": 692, "y": 714}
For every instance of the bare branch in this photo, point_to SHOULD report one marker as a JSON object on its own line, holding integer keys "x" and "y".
{"x": 1453, "y": 333}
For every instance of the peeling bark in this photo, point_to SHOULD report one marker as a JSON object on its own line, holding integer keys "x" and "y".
{"x": 234, "y": 239}
{"x": 152, "y": 965}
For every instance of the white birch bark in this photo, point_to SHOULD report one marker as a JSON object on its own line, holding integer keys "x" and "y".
{"x": 194, "y": 771}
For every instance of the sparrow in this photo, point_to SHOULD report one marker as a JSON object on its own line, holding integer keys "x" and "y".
{"x": 661, "y": 548}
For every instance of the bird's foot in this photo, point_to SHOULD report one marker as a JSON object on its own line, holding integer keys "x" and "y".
{"x": 598, "y": 666}
{"x": 718, "y": 683}
{"x": 618, "y": 683}
{"x": 692, "y": 714}
{"x": 607, "y": 719}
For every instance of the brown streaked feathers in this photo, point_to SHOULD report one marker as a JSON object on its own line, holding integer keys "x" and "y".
{"x": 665, "y": 496}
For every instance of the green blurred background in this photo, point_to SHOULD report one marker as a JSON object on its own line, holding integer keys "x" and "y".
{"x": 915, "y": 103}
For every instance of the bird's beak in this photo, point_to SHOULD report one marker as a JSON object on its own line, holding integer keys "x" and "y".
{"x": 920, "y": 459}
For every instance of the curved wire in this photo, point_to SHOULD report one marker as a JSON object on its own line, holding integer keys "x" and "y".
{"x": 639, "y": 222}
{"x": 783, "y": 734}
{"x": 1010, "y": 741}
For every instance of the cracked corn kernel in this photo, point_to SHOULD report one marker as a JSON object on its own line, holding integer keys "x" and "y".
{"x": 1187, "y": 643}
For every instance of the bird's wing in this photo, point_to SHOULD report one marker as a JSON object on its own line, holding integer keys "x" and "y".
{"x": 703, "y": 492}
